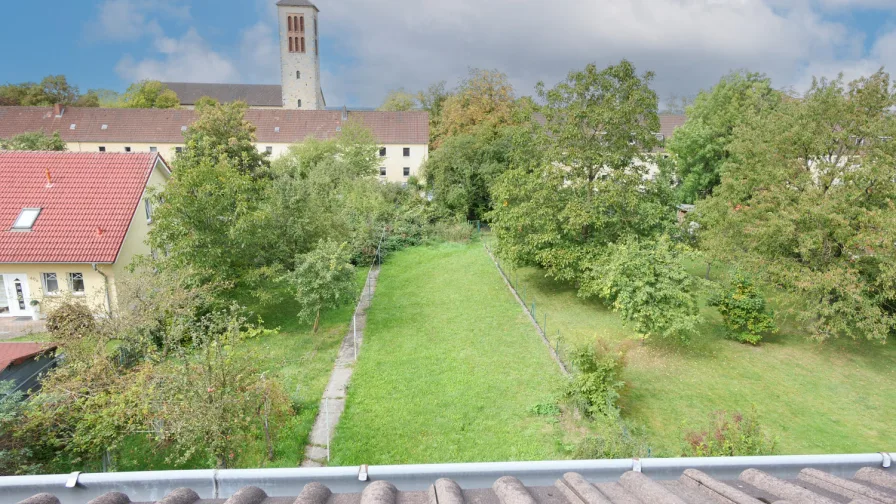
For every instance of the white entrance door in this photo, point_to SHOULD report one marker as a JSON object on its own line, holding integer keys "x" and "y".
{"x": 17, "y": 296}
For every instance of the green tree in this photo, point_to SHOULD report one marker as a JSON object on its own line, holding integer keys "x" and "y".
{"x": 584, "y": 182}
{"x": 149, "y": 94}
{"x": 701, "y": 146}
{"x": 807, "y": 205}
{"x": 398, "y": 100}
{"x": 743, "y": 310}
{"x": 222, "y": 134}
{"x": 646, "y": 283}
{"x": 460, "y": 173}
{"x": 431, "y": 100}
{"x": 485, "y": 98}
{"x": 51, "y": 90}
{"x": 209, "y": 220}
{"x": 34, "y": 141}
{"x": 323, "y": 278}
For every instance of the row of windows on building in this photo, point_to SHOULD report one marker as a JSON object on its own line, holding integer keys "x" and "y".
{"x": 406, "y": 171}
{"x": 50, "y": 283}
{"x": 406, "y": 151}
{"x": 102, "y": 148}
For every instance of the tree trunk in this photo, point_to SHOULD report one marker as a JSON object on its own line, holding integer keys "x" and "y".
{"x": 316, "y": 322}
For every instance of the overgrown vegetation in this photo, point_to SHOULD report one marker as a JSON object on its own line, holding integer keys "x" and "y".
{"x": 597, "y": 379}
{"x": 729, "y": 434}
{"x": 743, "y": 310}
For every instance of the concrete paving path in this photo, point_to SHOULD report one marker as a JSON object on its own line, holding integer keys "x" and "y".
{"x": 332, "y": 404}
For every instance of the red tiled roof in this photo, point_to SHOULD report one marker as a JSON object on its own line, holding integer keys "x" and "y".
{"x": 165, "y": 125}
{"x": 88, "y": 192}
{"x": 16, "y": 353}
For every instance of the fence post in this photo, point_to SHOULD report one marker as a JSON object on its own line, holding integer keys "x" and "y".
{"x": 327, "y": 414}
{"x": 355, "y": 334}
{"x": 544, "y": 327}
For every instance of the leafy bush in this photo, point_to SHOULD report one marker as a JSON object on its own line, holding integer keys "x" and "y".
{"x": 324, "y": 278}
{"x": 612, "y": 439}
{"x": 646, "y": 282}
{"x": 548, "y": 408}
{"x": 597, "y": 380}
{"x": 743, "y": 310}
{"x": 729, "y": 435}
{"x": 70, "y": 319}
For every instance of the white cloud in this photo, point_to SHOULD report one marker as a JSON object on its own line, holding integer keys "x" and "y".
{"x": 187, "y": 59}
{"x": 388, "y": 44}
{"x": 689, "y": 44}
{"x": 132, "y": 19}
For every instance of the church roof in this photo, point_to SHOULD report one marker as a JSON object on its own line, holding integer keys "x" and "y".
{"x": 297, "y": 3}
{"x": 255, "y": 95}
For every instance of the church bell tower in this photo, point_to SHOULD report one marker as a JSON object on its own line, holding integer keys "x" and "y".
{"x": 299, "y": 55}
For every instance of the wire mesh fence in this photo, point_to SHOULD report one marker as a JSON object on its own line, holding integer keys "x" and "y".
{"x": 562, "y": 350}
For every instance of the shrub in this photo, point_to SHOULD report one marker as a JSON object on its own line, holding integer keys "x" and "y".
{"x": 743, "y": 310}
{"x": 729, "y": 435}
{"x": 597, "y": 379}
{"x": 612, "y": 439}
{"x": 459, "y": 232}
{"x": 647, "y": 284}
{"x": 70, "y": 320}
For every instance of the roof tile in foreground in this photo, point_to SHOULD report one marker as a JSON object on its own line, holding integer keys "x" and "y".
{"x": 868, "y": 485}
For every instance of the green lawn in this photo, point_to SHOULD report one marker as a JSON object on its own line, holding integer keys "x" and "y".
{"x": 449, "y": 369}
{"x": 815, "y": 398}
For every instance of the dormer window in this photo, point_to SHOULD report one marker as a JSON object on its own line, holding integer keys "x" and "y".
{"x": 25, "y": 220}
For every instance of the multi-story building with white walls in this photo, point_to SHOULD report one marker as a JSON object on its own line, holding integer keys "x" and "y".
{"x": 282, "y": 114}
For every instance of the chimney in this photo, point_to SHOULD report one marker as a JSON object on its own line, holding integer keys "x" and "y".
{"x": 58, "y": 110}
{"x": 344, "y": 113}
{"x": 49, "y": 180}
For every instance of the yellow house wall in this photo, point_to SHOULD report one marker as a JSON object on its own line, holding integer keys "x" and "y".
{"x": 165, "y": 149}
{"x": 94, "y": 284}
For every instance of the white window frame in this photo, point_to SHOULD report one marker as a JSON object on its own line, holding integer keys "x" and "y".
{"x": 43, "y": 280}
{"x": 406, "y": 150}
{"x": 382, "y": 171}
{"x": 24, "y": 222}
{"x": 406, "y": 171}
{"x": 147, "y": 205}
{"x": 71, "y": 283}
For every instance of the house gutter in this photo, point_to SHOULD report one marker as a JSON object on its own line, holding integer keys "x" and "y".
{"x": 150, "y": 486}
{"x": 106, "y": 282}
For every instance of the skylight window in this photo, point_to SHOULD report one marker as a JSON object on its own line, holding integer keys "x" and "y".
{"x": 276, "y": 129}
{"x": 26, "y": 219}
{"x": 104, "y": 127}
{"x": 183, "y": 128}
{"x": 72, "y": 126}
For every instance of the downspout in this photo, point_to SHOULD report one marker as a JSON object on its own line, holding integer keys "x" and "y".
{"x": 106, "y": 282}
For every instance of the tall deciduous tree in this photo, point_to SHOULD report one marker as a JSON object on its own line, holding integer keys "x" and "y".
{"x": 149, "y": 94}
{"x": 51, "y": 90}
{"x": 701, "y": 147}
{"x": 209, "y": 217}
{"x": 486, "y": 97}
{"x": 582, "y": 193}
{"x": 398, "y": 100}
{"x": 807, "y": 203}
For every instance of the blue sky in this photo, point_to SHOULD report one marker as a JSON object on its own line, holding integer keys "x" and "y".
{"x": 369, "y": 47}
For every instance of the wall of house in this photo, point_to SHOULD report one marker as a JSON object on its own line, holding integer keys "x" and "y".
{"x": 135, "y": 242}
{"x": 167, "y": 150}
{"x": 394, "y": 161}
{"x": 94, "y": 284}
